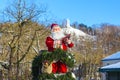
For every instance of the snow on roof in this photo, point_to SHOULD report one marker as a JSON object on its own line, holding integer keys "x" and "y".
{"x": 112, "y": 67}
{"x": 115, "y": 56}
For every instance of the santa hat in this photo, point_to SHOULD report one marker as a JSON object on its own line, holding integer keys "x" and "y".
{"x": 54, "y": 25}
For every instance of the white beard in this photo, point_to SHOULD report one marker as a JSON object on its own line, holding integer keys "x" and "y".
{"x": 57, "y": 35}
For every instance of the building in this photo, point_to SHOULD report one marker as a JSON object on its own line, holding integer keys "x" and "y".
{"x": 111, "y": 67}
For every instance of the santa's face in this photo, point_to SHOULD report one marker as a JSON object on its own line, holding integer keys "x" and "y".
{"x": 57, "y": 33}
{"x": 56, "y": 29}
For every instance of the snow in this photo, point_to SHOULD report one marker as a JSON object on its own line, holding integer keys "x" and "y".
{"x": 112, "y": 67}
{"x": 115, "y": 56}
{"x": 116, "y": 65}
{"x": 71, "y": 30}
{"x": 76, "y": 32}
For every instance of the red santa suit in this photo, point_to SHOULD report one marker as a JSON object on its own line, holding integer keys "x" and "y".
{"x": 50, "y": 44}
{"x": 58, "y": 66}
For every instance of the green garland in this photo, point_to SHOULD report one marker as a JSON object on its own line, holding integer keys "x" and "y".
{"x": 45, "y": 76}
{"x": 57, "y": 54}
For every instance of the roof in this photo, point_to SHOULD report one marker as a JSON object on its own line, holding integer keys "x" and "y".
{"x": 115, "y": 56}
{"x": 109, "y": 68}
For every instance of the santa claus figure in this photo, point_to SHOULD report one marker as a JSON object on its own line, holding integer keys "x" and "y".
{"x": 58, "y": 39}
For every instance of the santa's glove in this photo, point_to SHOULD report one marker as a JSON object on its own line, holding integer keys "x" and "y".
{"x": 68, "y": 41}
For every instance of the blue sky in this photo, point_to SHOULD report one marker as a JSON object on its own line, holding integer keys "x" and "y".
{"x": 89, "y": 12}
